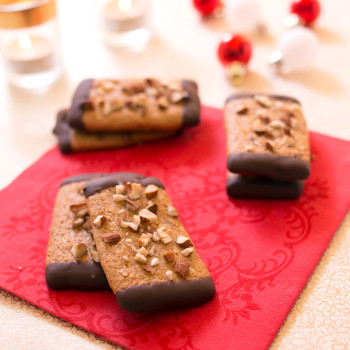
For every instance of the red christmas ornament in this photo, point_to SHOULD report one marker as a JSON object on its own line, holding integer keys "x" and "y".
{"x": 234, "y": 53}
{"x": 233, "y": 48}
{"x": 206, "y": 7}
{"x": 307, "y": 10}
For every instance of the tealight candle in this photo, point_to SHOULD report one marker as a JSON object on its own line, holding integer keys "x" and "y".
{"x": 29, "y": 42}
{"x": 30, "y": 54}
{"x": 125, "y": 22}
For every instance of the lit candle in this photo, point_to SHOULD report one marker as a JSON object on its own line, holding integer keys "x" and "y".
{"x": 30, "y": 54}
{"x": 124, "y": 15}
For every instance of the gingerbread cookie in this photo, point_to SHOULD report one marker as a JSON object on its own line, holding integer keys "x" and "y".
{"x": 72, "y": 260}
{"x": 147, "y": 255}
{"x": 134, "y": 105}
{"x": 72, "y": 140}
{"x": 267, "y": 136}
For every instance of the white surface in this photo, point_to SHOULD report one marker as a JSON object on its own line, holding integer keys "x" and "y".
{"x": 183, "y": 46}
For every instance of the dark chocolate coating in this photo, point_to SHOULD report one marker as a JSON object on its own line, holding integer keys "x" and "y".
{"x": 269, "y": 165}
{"x": 62, "y": 131}
{"x": 275, "y": 97}
{"x": 252, "y": 187}
{"x": 191, "y": 107}
{"x": 119, "y": 178}
{"x": 166, "y": 295}
{"x": 80, "y": 177}
{"x": 66, "y": 275}
{"x": 75, "y": 113}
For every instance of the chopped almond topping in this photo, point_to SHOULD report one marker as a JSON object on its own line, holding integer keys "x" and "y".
{"x": 118, "y": 197}
{"x": 170, "y": 256}
{"x": 77, "y": 207}
{"x": 182, "y": 267}
{"x": 147, "y": 216}
{"x": 135, "y": 192}
{"x": 153, "y": 208}
{"x": 78, "y": 223}
{"x": 187, "y": 251}
{"x": 120, "y": 189}
{"x": 169, "y": 275}
{"x": 184, "y": 241}
{"x": 140, "y": 258}
{"x": 147, "y": 268}
{"x": 131, "y": 225}
{"x": 172, "y": 211}
{"x": 132, "y": 205}
{"x": 144, "y": 240}
{"x": 111, "y": 237}
{"x": 154, "y": 262}
{"x": 78, "y": 250}
{"x": 151, "y": 191}
{"x": 94, "y": 255}
{"x": 99, "y": 220}
{"x": 143, "y": 251}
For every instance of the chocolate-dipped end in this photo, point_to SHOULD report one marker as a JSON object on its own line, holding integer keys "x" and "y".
{"x": 166, "y": 295}
{"x": 117, "y": 179}
{"x": 76, "y": 111}
{"x": 61, "y": 130}
{"x": 249, "y": 187}
{"x": 68, "y": 275}
{"x": 272, "y": 96}
{"x": 80, "y": 178}
{"x": 192, "y": 106}
{"x": 269, "y": 165}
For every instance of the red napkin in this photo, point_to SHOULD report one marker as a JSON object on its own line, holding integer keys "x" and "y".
{"x": 260, "y": 253}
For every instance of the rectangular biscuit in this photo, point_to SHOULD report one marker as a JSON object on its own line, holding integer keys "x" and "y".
{"x": 134, "y": 105}
{"x": 267, "y": 136}
{"x": 72, "y": 140}
{"x": 255, "y": 187}
{"x": 72, "y": 260}
{"x": 146, "y": 253}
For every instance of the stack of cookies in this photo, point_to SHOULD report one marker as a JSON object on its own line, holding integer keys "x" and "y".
{"x": 267, "y": 147}
{"x": 122, "y": 232}
{"x": 117, "y": 113}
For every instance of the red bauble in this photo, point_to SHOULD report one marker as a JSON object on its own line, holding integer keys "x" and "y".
{"x": 206, "y": 7}
{"x": 234, "y": 48}
{"x": 307, "y": 10}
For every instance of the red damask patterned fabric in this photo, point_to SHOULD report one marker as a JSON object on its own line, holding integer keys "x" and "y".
{"x": 260, "y": 253}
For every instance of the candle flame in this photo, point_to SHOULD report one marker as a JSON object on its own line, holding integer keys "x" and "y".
{"x": 24, "y": 42}
{"x": 125, "y": 5}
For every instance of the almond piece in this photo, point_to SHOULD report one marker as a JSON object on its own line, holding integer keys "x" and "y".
{"x": 182, "y": 267}
{"x": 75, "y": 208}
{"x": 152, "y": 251}
{"x": 77, "y": 223}
{"x": 166, "y": 240}
{"x": 169, "y": 275}
{"x": 184, "y": 241}
{"x": 143, "y": 251}
{"x": 137, "y": 220}
{"x": 94, "y": 255}
{"x": 111, "y": 237}
{"x": 132, "y": 205}
{"x": 147, "y": 268}
{"x": 170, "y": 256}
{"x": 241, "y": 109}
{"x": 154, "y": 262}
{"x": 87, "y": 224}
{"x": 99, "y": 220}
{"x": 277, "y": 124}
{"x": 263, "y": 101}
{"x": 147, "y": 216}
{"x": 163, "y": 102}
{"x": 151, "y": 191}
{"x": 172, "y": 211}
{"x": 118, "y": 197}
{"x": 140, "y": 258}
{"x": 153, "y": 208}
{"x": 268, "y": 146}
{"x": 155, "y": 237}
{"x": 131, "y": 225}
{"x": 119, "y": 189}
{"x": 178, "y": 96}
{"x": 144, "y": 240}
{"x": 135, "y": 192}
{"x": 78, "y": 250}
{"x": 187, "y": 251}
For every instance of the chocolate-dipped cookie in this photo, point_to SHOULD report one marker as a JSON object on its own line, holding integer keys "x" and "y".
{"x": 72, "y": 260}
{"x": 267, "y": 136}
{"x": 73, "y": 140}
{"x": 134, "y": 105}
{"x": 149, "y": 259}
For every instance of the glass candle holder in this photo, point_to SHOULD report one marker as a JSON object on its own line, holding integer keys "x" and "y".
{"x": 126, "y": 23}
{"x": 29, "y": 42}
